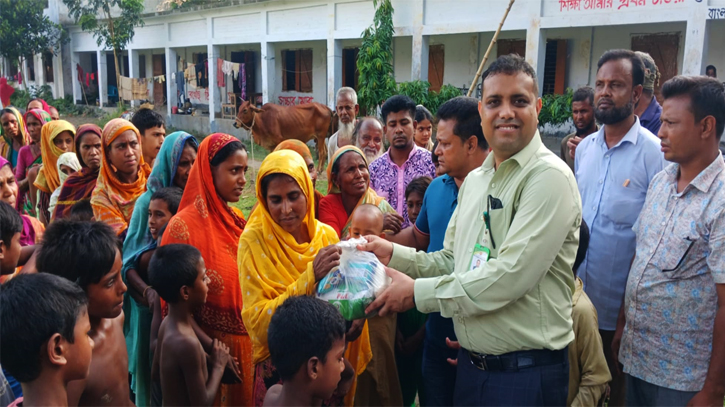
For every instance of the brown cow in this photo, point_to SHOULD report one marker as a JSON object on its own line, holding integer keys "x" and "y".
{"x": 273, "y": 124}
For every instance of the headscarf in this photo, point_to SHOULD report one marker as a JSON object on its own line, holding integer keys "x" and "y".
{"x": 369, "y": 197}
{"x": 69, "y": 160}
{"x": 6, "y": 146}
{"x": 113, "y": 200}
{"x": 48, "y": 179}
{"x": 137, "y": 325}
{"x": 42, "y": 116}
{"x": 80, "y": 185}
{"x": 272, "y": 265}
{"x": 46, "y": 106}
{"x": 297, "y": 146}
{"x": 208, "y": 223}
{"x": 162, "y": 176}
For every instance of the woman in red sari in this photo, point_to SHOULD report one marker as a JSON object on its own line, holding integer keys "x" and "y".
{"x": 207, "y": 222}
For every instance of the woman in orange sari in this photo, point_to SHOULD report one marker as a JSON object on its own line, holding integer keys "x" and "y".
{"x": 122, "y": 178}
{"x": 207, "y": 222}
{"x": 284, "y": 252}
{"x": 56, "y": 138}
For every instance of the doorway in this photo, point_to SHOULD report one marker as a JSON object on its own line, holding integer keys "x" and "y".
{"x": 159, "y": 66}
{"x": 664, "y": 49}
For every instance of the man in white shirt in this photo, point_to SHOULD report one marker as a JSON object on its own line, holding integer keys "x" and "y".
{"x": 347, "y": 110}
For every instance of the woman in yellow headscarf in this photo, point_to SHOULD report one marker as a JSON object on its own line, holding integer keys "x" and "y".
{"x": 56, "y": 138}
{"x": 284, "y": 252}
{"x": 123, "y": 175}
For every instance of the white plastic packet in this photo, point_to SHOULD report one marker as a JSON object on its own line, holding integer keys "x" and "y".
{"x": 354, "y": 285}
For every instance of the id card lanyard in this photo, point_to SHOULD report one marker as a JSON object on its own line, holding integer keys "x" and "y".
{"x": 481, "y": 253}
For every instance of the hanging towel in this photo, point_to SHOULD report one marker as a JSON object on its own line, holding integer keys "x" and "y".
{"x": 243, "y": 81}
{"x": 227, "y": 67}
{"x": 81, "y": 74}
{"x": 235, "y": 70}
{"x": 219, "y": 73}
{"x": 180, "y": 82}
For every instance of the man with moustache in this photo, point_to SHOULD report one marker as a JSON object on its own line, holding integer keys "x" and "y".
{"x": 582, "y": 113}
{"x": 404, "y": 161}
{"x": 519, "y": 216}
{"x": 347, "y": 109}
{"x": 614, "y": 168}
{"x": 368, "y": 137}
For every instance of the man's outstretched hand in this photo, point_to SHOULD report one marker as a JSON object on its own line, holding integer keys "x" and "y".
{"x": 380, "y": 247}
{"x": 398, "y": 297}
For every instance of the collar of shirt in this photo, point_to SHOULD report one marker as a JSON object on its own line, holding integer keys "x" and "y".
{"x": 521, "y": 158}
{"x": 412, "y": 153}
{"x": 632, "y": 135}
{"x": 651, "y": 112}
{"x": 703, "y": 181}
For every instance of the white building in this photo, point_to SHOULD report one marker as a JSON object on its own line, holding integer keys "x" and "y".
{"x": 298, "y": 51}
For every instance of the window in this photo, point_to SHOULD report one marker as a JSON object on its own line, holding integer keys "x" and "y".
{"x": 436, "y": 63}
{"x": 297, "y": 70}
{"x": 48, "y": 67}
{"x": 31, "y": 67}
{"x": 555, "y": 67}
{"x": 350, "y": 73}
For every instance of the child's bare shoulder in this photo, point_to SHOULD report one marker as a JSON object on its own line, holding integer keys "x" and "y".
{"x": 272, "y": 398}
{"x": 178, "y": 341}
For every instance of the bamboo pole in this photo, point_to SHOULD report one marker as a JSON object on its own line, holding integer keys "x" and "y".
{"x": 488, "y": 51}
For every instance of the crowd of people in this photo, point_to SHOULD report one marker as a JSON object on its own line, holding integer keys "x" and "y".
{"x": 517, "y": 277}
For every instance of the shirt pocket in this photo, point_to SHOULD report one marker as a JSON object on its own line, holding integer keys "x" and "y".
{"x": 674, "y": 255}
{"x": 624, "y": 205}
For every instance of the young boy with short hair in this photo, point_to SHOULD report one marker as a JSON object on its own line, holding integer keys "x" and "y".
{"x": 81, "y": 211}
{"x": 187, "y": 377}
{"x": 11, "y": 226}
{"x": 414, "y": 193}
{"x": 44, "y": 331}
{"x": 306, "y": 340}
{"x": 151, "y": 126}
{"x": 367, "y": 219}
{"x": 89, "y": 253}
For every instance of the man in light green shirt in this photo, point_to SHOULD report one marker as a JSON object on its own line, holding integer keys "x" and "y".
{"x": 505, "y": 273}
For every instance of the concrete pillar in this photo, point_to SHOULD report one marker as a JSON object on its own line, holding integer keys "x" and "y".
{"x": 334, "y": 70}
{"x": 133, "y": 68}
{"x": 171, "y": 90}
{"x": 102, "y": 78}
{"x": 695, "y": 40}
{"x": 419, "y": 62}
{"x": 269, "y": 82}
{"x": 58, "y": 76}
{"x": 213, "y": 55}
{"x": 536, "y": 49}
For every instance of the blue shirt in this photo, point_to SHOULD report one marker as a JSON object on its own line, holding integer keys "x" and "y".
{"x": 442, "y": 197}
{"x": 613, "y": 185}
{"x": 650, "y": 119}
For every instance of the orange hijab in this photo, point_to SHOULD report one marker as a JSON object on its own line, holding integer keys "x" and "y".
{"x": 113, "y": 200}
{"x": 48, "y": 179}
{"x": 208, "y": 223}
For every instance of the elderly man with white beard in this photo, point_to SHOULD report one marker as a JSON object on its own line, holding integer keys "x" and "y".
{"x": 347, "y": 110}
{"x": 368, "y": 137}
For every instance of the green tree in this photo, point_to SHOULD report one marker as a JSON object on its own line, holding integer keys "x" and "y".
{"x": 375, "y": 59}
{"x": 24, "y": 30}
{"x": 112, "y": 22}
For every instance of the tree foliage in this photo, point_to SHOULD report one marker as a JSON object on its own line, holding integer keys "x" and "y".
{"x": 25, "y": 31}
{"x": 111, "y": 22}
{"x": 421, "y": 94}
{"x": 556, "y": 109}
{"x": 375, "y": 59}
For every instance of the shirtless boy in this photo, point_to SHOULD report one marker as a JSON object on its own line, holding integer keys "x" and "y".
{"x": 306, "y": 340}
{"x": 44, "y": 330}
{"x": 89, "y": 253}
{"x": 187, "y": 377}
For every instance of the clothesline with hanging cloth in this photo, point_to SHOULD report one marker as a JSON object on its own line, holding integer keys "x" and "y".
{"x": 137, "y": 88}
{"x": 197, "y": 76}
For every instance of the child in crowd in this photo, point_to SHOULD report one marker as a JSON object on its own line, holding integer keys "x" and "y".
{"x": 44, "y": 330}
{"x": 414, "y": 193}
{"x": 367, "y": 219}
{"x": 89, "y": 253}
{"x": 187, "y": 377}
{"x": 306, "y": 340}
{"x": 11, "y": 226}
{"x": 588, "y": 371}
{"x": 81, "y": 211}
{"x": 411, "y": 324}
{"x": 151, "y": 126}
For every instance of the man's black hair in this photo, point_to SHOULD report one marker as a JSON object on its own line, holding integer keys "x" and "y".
{"x": 585, "y": 93}
{"x": 81, "y": 211}
{"x": 709, "y": 67}
{"x": 145, "y": 119}
{"x": 433, "y": 155}
{"x": 170, "y": 195}
{"x": 34, "y": 307}
{"x": 464, "y": 110}
{"x": 82, "y": 252}
{"x": 398, "y": 103}
{"x": 707, "y": 97}
{"x": 421, "y": 113}
{"x": 171, "y": 267}
{"x": 511, "y": 65}
{"x": 302, "y": 327}
{"x": 619, "y": 54}
{"x": 581, "y": 252}
{"x": 226, "y": 151}
{"x": 10, "y": 223}
{"x": 419, "y": 185}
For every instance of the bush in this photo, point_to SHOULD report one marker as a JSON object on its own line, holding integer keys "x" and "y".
{"x": 421, "y": 95}
{"x": 556, "y": 109}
